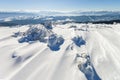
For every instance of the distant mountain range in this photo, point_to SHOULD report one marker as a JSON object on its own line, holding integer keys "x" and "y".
{"x": 23, "y": 18}
{"x": 57, "y": 13}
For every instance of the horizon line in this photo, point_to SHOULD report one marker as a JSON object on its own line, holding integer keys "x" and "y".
{"x": 64, "y": 11}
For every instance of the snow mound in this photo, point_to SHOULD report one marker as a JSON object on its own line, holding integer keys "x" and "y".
{"x": 73, "y": 26}
{"x": 48, "y": 24}
{"x": 21, "y": 55}
{"x": 55, "y": 41}
{"x": 17, "y": 34}
{"x": 78, "y": 41}
{"x": 20, "y": 58}
{"x": 87, "y": 68}
{"x": 35, "y": 32}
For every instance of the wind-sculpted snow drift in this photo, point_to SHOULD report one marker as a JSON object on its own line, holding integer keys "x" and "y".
{"x": 62, "y": 52}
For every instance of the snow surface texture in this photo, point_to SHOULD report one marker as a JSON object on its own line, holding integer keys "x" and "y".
{"x": 84, "y": 52}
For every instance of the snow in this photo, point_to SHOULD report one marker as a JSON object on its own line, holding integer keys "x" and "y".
{"x": 86, "y": 52}
{"x": 54, "y": 42}
{"x": 35, "y": 32}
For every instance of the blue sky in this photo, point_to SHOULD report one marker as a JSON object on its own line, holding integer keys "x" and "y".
{"x": 60, "y": 5}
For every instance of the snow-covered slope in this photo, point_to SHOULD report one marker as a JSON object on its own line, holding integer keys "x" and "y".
{"x": 87, "y": 52}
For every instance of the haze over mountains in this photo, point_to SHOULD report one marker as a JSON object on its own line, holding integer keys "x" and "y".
{"x": 59, "y": 13}
{"x": 27, "y": 17}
